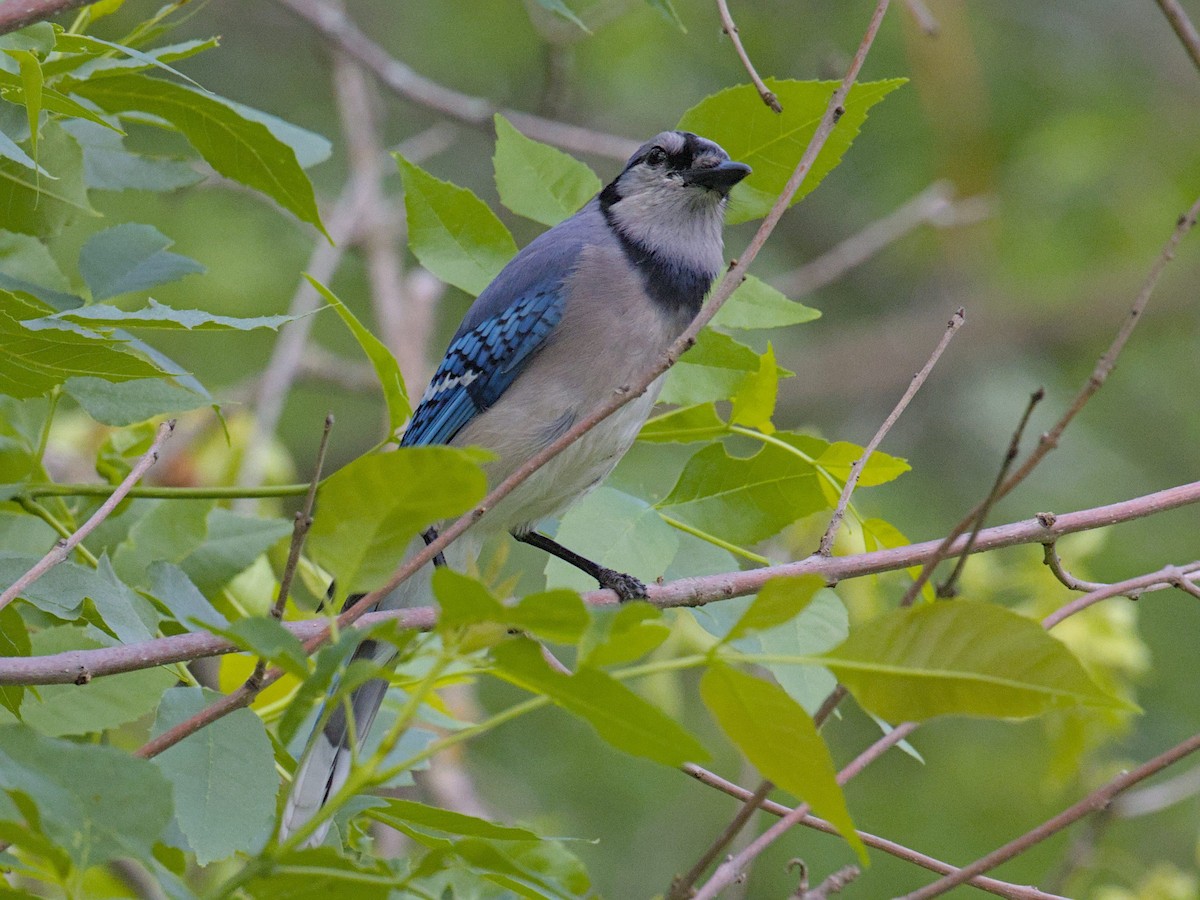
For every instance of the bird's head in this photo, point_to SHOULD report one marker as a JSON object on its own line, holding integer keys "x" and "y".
{"x": 670, "y": 198}
{"x": 675, "y": 168}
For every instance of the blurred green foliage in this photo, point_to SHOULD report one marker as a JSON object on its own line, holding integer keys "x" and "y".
{"x": 1071, "y": 125}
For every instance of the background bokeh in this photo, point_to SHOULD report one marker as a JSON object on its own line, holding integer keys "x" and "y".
{"x": 1070, "y": 131}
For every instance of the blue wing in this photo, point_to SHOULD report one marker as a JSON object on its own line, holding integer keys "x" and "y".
{"x": 481, "y": 362}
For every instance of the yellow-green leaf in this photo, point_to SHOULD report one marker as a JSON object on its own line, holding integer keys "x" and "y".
{"x": 779, "y": 738}
{"x": 962, "y": 658}
{"x": 538, "y": 181}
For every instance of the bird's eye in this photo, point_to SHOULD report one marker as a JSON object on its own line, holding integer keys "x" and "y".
{"x": 657, "y": 156}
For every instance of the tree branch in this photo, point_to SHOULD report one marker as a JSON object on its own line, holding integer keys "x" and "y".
{"x": 1093, "y": 802}
{"x": 826, "y": 545}
{"x": 62, "y": 549}
{"x": 1183, "y": 26}
{"x": 16, "y": 14}
{"x": 991, "y": 885}
{"x": 933, "y": 206}
{"x": 728, "y": 26}
{"x": 76, "y": 665}
{"x": 337, "y": 28}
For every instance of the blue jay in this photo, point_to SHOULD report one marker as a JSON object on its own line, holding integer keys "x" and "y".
{"x": 575, "y": 316}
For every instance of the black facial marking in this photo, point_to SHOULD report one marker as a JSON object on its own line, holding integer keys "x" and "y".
{"x": 677, "y": 288}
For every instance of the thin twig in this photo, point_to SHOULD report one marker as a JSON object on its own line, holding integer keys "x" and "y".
{"x": 1183, "y": 26}
{"x": 728, "y": 26}
{"x": 1104, "y": 365}
{"x": 83, "y": 665}
{"x": 948, "y": 588}
{"x": 1051, "y": 560}
{"x": 1093, "y": 802}
{"x": 1168, "y": 576}
{"x": 1108, "y": 359}
{"x": 16, "y": 14}
{"x": 826, "y": 545}
{"x": 933, "y": 206}
{"x": 681, "y": 886}
{"x": 62, "y": 548}
{"x": 924, "y": 18}
{"x": 304, "y": 520}
{"x": 991, "y": 885}
{"x": 337, "y": 28}
{"x": 832, "y": 884}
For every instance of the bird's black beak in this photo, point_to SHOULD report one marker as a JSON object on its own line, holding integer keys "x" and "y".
{"x": 721, "y": 177}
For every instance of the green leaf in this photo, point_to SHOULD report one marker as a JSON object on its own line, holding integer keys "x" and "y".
{"x": 962, "y": 658}
{"x": 39, "y": 206}
{"x": 128, "y": 258}
{"x": 623, "y": 635}
{"x": 61, "y": 592}
{"x": 38, "y": 37}
{"x": 754, "y": 398}
{"x": 463, "y": 600}
{"x": 36, "y": 361}
{"x": 743, "y": 499}
{"x": 67, "y": 42}
{"x": 410, "y": 816}
{"x": 620, "y": 717}
{"x": 321, "y": 873}
{"x": 712, "y": 370}
{"x": 266, "y": 637}
{"x": 452, "y": 232}
{"x": 559, "y": 616}
{"x": 83, "y": 795}
{"x": 839, "y": 457}
{"x": 19, "y": 91}
{"x": 386, "y": 368}
{"x": 10, "y": 149}
{"x": 223, "y": 777}
{"x": 616, "y": 530}
{"x": 235, "y": 146}
{"x": 823, "y": 624}
{"x": 755, "y": 304}
{"x": 779, "y": 738}
{"x": 108, "y": 166}
{"x": 84, "y": 56}
{"x": 126, "y": 402}
{"x": 171, "y": 587}
{"x": 31, "y": 84}
{"x": 779, "y": 600}
{"x": 667, "y": 10}
{"x": 26, "y": 265}
{"x": 59, "y": 710}
{"x": 234, "y": 542}
{"x": 685, "y": 426}
{"x": 14, "y": 641}
{"x": 160, "y": 316}
{"x": 166, "y": 530}
{"x": 368, "y": 511}
{"x": 538, "y": 181}
{"x": 772, "y": 143}
{"x": 559, "y": 8}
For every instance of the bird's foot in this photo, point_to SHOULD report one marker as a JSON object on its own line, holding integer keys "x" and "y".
{"x": 626, "y": 587}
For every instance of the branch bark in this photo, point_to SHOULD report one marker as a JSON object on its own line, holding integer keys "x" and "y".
{"x": 1093, "y": 802}
{"x": 338, "y": 29}
{"x": 73, "y": 665}
{"x": 16, "y": 14}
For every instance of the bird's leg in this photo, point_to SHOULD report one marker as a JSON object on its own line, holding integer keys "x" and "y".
{"x": 626, "y": 587}
{"x": 429, "y": 535}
